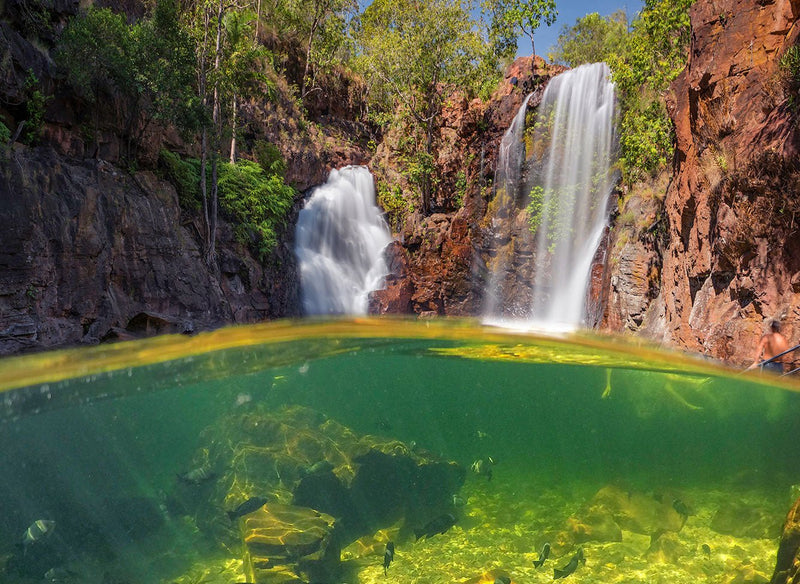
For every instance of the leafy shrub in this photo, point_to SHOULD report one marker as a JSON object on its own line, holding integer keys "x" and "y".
{"x": 394, "y": 204}
{"x": 258, "y": 202}
{"x": 790, "y": 74}
{"x": 269, "y": 157}
{"x": 5, "y": 135}
{"x": 184, "y": 176}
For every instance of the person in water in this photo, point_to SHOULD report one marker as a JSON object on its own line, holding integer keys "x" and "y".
{"x": 772, "y": 343}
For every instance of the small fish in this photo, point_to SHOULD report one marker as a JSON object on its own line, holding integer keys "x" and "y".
{"x": 252, "y": 504}
{"x": 60, "y": 575}
{"x": 38, "y": 531}
{"x": 542, "y": 556}
{"x": 706, "y": 549}
{"x": 681, "y": 508}
{"x": 483, "y": 467}
{"x": 321, "y": 467}
{"x": 437, "y": 525}
{"x": 571, "y": 566}
{"x": 242, "y": 399}
{"x": 480, "y": 434}
{"x": 458, "y": 501}
{"x": 197, "y": 476}
{"x": 388, "y": 556}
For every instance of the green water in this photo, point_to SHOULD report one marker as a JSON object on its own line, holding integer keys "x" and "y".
{"x": 98, "y": 452}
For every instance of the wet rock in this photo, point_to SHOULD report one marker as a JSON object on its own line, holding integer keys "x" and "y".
{"x": 787, "y": 566}
{"x": 312, "y": 467}
{"x": 612, "y": 510}
{"x": 742, "y": 520}
{"x": 287, "y": 538}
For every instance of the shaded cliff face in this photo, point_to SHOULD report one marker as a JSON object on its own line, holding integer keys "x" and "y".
{"x": 733, "y": 258}
{"x": 89, "y": 253}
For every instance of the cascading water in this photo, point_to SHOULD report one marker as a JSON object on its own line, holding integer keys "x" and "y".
{"x": 339, "y": 243}
{"x": 567, "y": 189}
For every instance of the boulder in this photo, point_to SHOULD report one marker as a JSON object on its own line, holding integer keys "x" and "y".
{"x": 286, "y": 543}
{"x": 311, "y": 469}
{"x": 787, "y": 566}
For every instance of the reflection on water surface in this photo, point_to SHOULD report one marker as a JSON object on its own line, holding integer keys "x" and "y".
{"x": 294, "y": 452}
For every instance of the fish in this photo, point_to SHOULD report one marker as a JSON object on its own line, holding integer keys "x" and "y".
{"x": 483, "y": 467}
{"x": 60, "y": 575}
{"x": 318, "y": 468}
{"x": 706, "y": 549}
{"x": 438, "y": 525}
{"x": 197, "y": 476}
{"x": 542, "y": 556}
{"x": 388, "y": 556}
{"x": 252, "y": 504}
{"x": 571, "y": 566}
{"x": 681, "y": 508}
{"x": 38, "y": 531}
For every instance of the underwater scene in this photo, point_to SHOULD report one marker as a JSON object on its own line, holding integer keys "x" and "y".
{"x": 371, "y": 451}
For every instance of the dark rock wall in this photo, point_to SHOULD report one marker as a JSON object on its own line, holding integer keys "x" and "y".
{"x": 89, "y": 253}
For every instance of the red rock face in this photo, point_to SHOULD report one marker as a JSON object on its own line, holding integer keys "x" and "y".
{"x": 722, "y": 276}
{"x": 444, "y": 254}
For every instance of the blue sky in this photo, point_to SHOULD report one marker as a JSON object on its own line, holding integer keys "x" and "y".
{"x": 568, "y": 12}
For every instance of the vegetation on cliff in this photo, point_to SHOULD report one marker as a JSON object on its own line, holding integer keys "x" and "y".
{"x": 644, "y": 58}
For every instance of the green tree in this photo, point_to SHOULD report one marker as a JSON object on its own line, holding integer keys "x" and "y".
{"x": 654, "y": 54}
{"x": 411, "y": 55}
{"x": 509, "y": 17}
{"x": 592, "y": 39}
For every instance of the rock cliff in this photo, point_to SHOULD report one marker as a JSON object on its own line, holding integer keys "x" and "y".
{"x": 731, "y": 253}
{"x": 90, "y": 253}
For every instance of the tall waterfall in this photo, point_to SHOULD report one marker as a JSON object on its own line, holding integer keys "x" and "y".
{"x": 567, "y": 182}
{"x": 339, "y": 244}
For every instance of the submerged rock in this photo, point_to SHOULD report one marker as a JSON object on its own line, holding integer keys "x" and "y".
{"x": 787, "y": 566}
{"x": 612, "y": 510}
{"x": 311, "y": 469}
{"x": 742, "y": 520}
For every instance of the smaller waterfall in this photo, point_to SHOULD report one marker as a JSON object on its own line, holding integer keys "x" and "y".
{"x": 339, "y": 243}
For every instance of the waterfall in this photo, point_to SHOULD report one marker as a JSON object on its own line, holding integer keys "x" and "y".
{"x": 566, "y": 187}
{"x": 339, "y": 244}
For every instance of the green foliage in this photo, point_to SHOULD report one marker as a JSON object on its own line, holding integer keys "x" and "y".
{"x": 535, "y": 208}
{"x": 97, "y": 48}
{"x": 34, "y": 107}
{"x": 394, "y": 204}
{"x": 150, "y": 63}
{"x": 592, "y": 39}
{"x": 408, "y": 51}
{"x": 509, "y": 17}
{"x": 643, "y": 61}
{"x": 461, "y": 188}
{"x": 5, "y": 135}
{"x": 269, "y": 157}
{"x": 258, "y": 202}
{"x": 789, "y": 65}
{"x": 184, "y": 176}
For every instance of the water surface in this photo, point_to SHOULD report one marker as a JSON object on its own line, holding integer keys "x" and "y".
{"x": 95, "y": 440}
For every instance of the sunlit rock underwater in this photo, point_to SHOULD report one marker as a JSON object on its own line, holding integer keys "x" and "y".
{"x": 376, "y": 450}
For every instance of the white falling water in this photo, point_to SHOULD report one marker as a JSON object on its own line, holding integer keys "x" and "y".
{"x": 339, "y": 243}
{"x": 578, "y": 114}
{"x": 569, "y": 183}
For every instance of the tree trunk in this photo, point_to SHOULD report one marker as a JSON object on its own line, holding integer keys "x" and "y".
{"x": 217, "y": 120}
{"x": 233, "y": 129}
